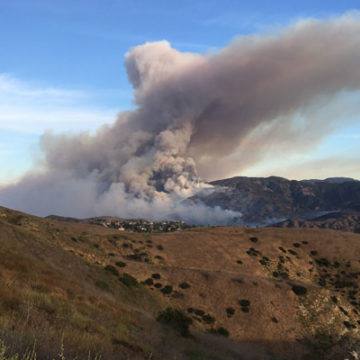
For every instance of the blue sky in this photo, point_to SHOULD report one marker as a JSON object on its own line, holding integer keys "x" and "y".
{"x": 61, "y": 64}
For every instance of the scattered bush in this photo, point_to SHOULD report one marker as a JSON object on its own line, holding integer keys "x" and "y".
{"x": 208, "y": 319}
{"x": 199, "y": 312}
{"x": 176, "y": 319}
{"x": 282, "y": 249}
{"x": 253, "y": 252}
{"x": 239, "y": 262}
{"x": 184, "y": 285}
{"x": 254, "y": 239}
{"x": 129, "y": 280}
{"x": 323, "y": 262}
{"x": 264, "y": 261}
{"x": 120, "y": 264}
{"x": 244, "y": 302}
{"x": 156, "y": 276}
{"x": 149, "y": 282}
{"x": 299, "y": 290}
{"x": 190, "y": 310}
{"x": 220, "y": 331}
{"x": 166, "y": 290}
{"x": 349, "y": 325}
{"x": 111, "y": 269}
{"x": 160, "y": 247}
{"x": 96, "y": 246}
{"x": 158, "y": 285}
{"x": 230, "y": 311}
{"x": 297, "y": 245}
{"x": 313, "y": 252}
{"x": 274, "y": 320}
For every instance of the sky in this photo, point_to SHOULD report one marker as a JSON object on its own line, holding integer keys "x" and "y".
{"x": 61, "y": 69}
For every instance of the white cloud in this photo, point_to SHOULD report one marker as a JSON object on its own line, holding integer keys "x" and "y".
{"x": 29, "y": 108}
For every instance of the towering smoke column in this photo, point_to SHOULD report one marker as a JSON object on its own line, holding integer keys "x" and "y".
{"x": 195, "y": 111}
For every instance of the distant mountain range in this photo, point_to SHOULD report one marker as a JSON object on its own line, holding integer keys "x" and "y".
{"x": 274, "y": 200}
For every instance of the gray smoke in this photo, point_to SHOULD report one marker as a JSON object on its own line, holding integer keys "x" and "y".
{"x": 207, "y": 112}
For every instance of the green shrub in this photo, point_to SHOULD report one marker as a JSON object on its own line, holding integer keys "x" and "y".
{"x": 184, "y": 285}
{"x": 176, "y": 319}
{"x": 253, "y": 252}
{"x": 299, "y": 290}
{"x": 156, "y": 276}
{"x": 220, "y": 331}
{"x": 199, "y": 312}
{"x": 111, "y": 269}
{"x": 120, "y": 264}
{"x": 158, "y": 285}
{"x": 166, "y": 290}
{"x": 129, "y": 280}
{"x": 208, "y": 319}
{"x": 244, "y": 302}
{"x": 149, "y": 282}
{"x": 230, "y": 311}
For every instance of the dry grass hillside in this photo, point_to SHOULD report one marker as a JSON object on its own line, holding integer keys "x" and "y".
{"x": 207, "y": 293}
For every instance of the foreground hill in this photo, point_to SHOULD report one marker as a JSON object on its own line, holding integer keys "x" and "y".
{"x": 206, "y": 293}
{"x": 264, "y": 201}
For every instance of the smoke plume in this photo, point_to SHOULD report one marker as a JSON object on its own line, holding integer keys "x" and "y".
{"x": 208, "y": 113}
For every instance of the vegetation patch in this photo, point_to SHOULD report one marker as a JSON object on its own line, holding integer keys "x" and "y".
{"x": 184, "y": 285}
{"x": 230, "y": 311}
{"x": 176, "y": 319}
{"x": 120, "y": 264}
{"x": 253, "y": 252}
{"x": 299, "y": 290}
{"x": 149, "y": 282}
{"x": 221, "y": 331}
{"x": 128, "y": 280}
{"x": 167, "y": 289}
{"x": 111, "y": 269}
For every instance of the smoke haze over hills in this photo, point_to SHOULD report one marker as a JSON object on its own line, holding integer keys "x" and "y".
{"x": 199, "y": 116}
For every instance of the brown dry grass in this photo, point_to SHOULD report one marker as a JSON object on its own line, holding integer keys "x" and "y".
{"x": 54, "y": 286}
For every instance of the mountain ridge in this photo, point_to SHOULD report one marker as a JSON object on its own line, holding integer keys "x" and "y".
{"x": 266, "y": 201}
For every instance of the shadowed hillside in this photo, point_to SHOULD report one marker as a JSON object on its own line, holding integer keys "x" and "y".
{"x": 265, "y": 201}
{"x": 205, "y": 293}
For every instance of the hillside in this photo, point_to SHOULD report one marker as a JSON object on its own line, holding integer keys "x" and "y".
{"x": 264, "y": 201}
{"x": 342, "y": 221}
{"x": 250, "y": 293}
